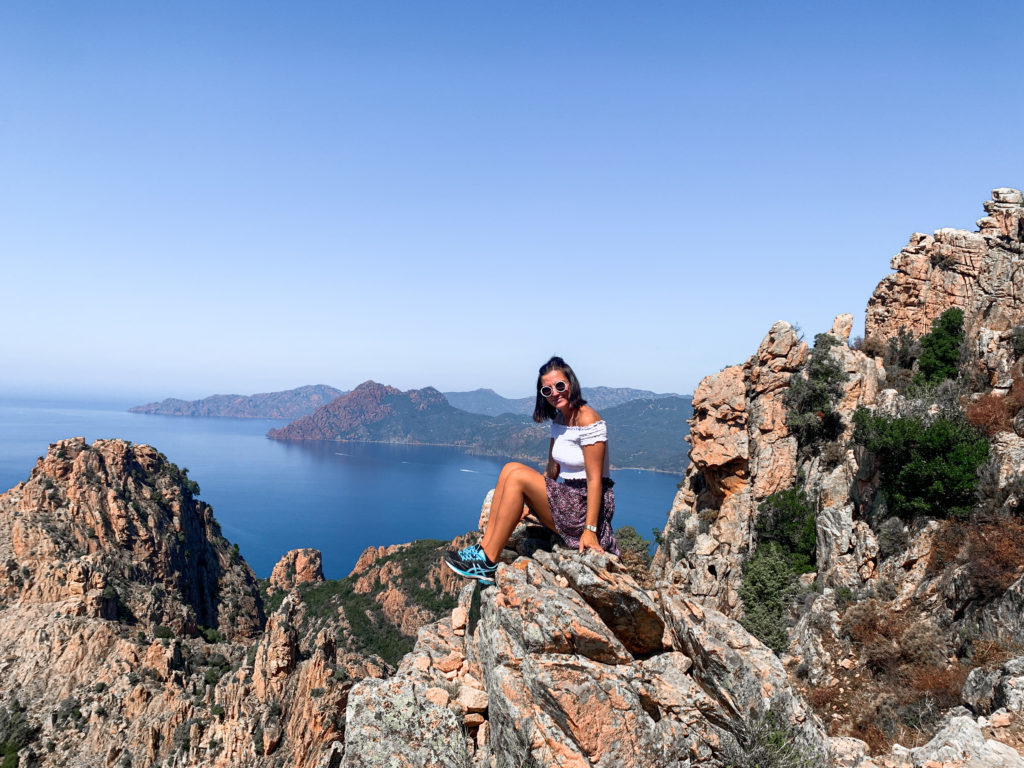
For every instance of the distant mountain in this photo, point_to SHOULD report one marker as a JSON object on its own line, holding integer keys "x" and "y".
{"x": 645, "y": 434}
{"x": 290, "y": 404}
{"x": 648, "y": 434}
{"x": 490, "y": 403}
{"x": 378, "y": 413}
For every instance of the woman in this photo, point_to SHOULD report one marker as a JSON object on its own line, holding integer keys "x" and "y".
{"x": 579, "y": 508}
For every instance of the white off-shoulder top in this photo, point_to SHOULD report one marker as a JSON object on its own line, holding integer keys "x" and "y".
{"x": 568, "y": 448}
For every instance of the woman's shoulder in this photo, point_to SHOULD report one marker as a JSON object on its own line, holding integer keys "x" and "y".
{"x": 587, "y": 416}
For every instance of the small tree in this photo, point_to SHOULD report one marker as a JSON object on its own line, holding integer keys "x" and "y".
{"x": 940, "y": 349}
{"x": 787, "y": 519}
{"x": 810, "y": 402}
{"x": 767, "y": 590}
{"x": 927, "y": 468}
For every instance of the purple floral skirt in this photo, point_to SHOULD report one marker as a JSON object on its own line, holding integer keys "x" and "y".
{"x": 568, "y": 501}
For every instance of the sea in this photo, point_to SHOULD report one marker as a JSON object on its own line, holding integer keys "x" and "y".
{"x": 272, "y": 496}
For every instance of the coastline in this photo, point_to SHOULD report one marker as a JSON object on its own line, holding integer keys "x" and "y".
{"x": 470, "y": 450}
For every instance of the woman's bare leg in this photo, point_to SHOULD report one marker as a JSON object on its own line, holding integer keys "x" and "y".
{"x": 518, "y": 484}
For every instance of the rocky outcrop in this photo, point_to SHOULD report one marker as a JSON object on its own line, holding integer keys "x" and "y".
{"x": 571, "y": 663}
{"x": 918, "y": 576}
{"x": 978, "y": 272}
{"x": 741, "y": 453}
{"x": 93, "y": 524}
{"x": 299, "y": 566}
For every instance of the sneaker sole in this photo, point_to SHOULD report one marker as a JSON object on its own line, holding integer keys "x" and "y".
{"x": 482, "y": 579}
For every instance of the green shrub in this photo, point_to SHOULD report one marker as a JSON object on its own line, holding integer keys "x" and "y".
{"x": 163, "y": 633}
{"x": 892, "y": 538}
{"x": 927, "y": 468}
{"x": 16, "y": 732}
{"x": 843, "y": 597}
{"x": 768, "y": 588}
{"x": 634, "y": 544}
{"x": 940, "y": 349}
{"x": 787, "y": 519}
{"x": 810, "y": 402}
{"x": 1017, "y": 339}
{"x": 211, "y": 635}
{"x": 767, "y": 741}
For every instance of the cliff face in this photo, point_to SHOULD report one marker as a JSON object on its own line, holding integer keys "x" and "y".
{"x": 132, "y": 632}
{"x": 885, "y": 587}
{"x": 978, "y": 272}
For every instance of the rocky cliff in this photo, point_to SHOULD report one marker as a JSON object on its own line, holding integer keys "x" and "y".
{"x": 890, "y": 623}
{"x": 133, "y": 633}
{"x": 897, "y": 613}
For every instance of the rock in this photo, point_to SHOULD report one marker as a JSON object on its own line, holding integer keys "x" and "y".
{"x": 842, "y": 326}
{"x": 472, "y": 699}
{"x": 299, "y": 566}
{"x": 393, "y": 722}
{"x": 975, "y": 272}
{"x": 742, "y": 453}
{"x": 989, "y": 690}
{"x": 620, "y": 602}
{"x": 961, "y": 742}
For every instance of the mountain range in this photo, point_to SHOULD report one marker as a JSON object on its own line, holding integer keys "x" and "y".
{"x": 644, "y": 434}
{"x": 490, "y": 403}
{"x": 293, "y": 403}
{"x": 289, "y": 404}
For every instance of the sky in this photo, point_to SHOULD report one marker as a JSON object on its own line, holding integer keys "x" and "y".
{"x": 201, "y": 198}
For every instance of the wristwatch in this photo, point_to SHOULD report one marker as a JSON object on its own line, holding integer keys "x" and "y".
{"x": 591, "y": 528}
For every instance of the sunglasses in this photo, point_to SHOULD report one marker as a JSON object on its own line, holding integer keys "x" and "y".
{"x": 560, "y": 387}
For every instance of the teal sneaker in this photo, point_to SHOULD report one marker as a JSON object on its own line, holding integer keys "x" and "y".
{"x": 471, "y": 562}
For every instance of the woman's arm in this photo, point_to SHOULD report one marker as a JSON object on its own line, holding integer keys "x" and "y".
{"x": 552, "y": 469}
{"x": 593, "y": 463}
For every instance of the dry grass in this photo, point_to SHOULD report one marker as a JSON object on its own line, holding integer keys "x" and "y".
{"x": 947, "y": 544}
{"x": 903, "y": 682}
{"x": 993, "y": 412}
{"x": 995, "y": 554}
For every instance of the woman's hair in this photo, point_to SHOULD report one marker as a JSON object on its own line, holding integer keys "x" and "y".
{"x": 543, "y": 410}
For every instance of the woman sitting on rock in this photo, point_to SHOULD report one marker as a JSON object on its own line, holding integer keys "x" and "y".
{"x": 579, "y": 508}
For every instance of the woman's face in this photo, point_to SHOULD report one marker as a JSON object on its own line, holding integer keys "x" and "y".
{"x": 557, "y": 400}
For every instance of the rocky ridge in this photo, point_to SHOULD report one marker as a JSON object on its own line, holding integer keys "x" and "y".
{"x": 133, "y": 633}
{"x": 910, "y": 582}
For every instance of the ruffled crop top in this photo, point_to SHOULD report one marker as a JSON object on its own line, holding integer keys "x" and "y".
{"x": 568, "y": 448}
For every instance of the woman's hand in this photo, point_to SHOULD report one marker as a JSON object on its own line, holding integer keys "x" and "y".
{"x": 589, "y": 541}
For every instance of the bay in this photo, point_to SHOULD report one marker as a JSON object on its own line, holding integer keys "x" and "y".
{"x": 272, "y": 496}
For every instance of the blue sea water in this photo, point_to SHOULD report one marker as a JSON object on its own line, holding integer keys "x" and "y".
{"x": 271, "y": 496}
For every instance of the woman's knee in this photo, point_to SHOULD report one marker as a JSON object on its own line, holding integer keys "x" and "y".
{"x": 512, "y": 466}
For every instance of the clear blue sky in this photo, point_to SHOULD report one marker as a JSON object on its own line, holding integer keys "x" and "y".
{"x": 200, "y": 198}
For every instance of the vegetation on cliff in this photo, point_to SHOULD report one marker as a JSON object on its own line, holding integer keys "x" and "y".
{"x": 811, "y": 400}
{"x": 786, "y": 534}
{"x": 374, "y": 599}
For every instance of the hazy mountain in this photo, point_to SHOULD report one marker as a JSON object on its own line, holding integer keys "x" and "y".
{"x": 290, "y": 404}
{"x": 490, "y": 403}
{"x": 645, "y": 433}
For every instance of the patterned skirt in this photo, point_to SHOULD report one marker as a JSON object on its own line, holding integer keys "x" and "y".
{"x": 568, "y": 501}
